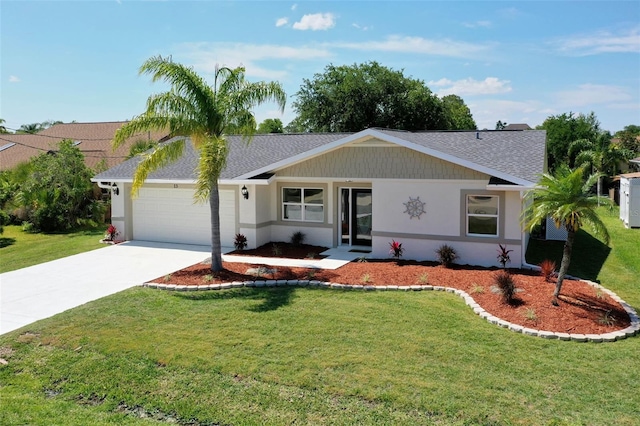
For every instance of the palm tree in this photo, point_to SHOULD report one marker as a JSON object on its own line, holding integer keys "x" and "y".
{"x": 566, "y": 198}
{"x": 3, "y": 129}
{"x": 192, "y": 109}
{"x": 602, "y": 155}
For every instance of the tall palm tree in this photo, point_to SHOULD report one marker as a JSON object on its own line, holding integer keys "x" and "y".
{"x": 566, "y": 198}
{"x": 191, "y": 108}
{"x": 602, "y": 155}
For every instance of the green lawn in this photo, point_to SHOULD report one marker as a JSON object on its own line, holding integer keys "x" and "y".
{"x": 20, "y": 249}
{"x": 310, "y": 356}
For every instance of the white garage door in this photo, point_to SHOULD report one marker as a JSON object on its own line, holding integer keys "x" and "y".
{"x": 170, "y": 215}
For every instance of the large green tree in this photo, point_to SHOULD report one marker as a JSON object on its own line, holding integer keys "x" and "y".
{"x": 458, "y": 113}
{"x": 562, "y": 130}
{"x": 202, "y": 113}
{"x": 565, "y": 197}
{"x": 353, "y": 98}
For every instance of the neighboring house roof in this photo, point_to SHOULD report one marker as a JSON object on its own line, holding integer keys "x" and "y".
{"x": 517, "y": 126}
{"x": 95, "y": 143}
{"x": 517, "y": 157}
{"x": 635, "y": 160}
{"x": 631, "y": 175}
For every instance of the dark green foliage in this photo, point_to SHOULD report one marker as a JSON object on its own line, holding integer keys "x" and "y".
{"x": 504, "y": 281}
{"x": 562, "y": 130}
{"x": 297, "y": 238}
{"x": 501, "y": 125}
{"x": 271, "y": 125}
{"x": 630, "y": 138}
{"x": 446, "y": 255}
{"x": 458, "y": 113}
{"x": 353, "y": 98}
{"x": 58, "y": 194}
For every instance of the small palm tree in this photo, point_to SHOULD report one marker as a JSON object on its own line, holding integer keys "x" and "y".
{"x": 602, "y": 155}
{"x": 191, "y": 108}
{"x": 567, "y": 199}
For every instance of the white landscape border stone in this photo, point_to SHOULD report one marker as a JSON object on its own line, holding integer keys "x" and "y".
{"x": 632, "y": 330}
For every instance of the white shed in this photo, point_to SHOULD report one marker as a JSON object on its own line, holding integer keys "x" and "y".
{"x": 630, "y": 199}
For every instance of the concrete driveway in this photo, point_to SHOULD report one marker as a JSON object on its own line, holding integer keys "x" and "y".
{"x": 40, "y": 291}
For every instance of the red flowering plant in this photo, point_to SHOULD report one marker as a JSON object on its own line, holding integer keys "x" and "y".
{"x": 111, "y": 234}
{"x": 503, "y": 255}
{"x": 396, "y": 249}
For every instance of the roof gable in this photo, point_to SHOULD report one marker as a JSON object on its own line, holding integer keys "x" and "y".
{"x": 515, "y": 156}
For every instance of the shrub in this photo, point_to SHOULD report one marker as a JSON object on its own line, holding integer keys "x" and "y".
{"x": 547, "y": 269}
{"x": 276, "y": 250}
{"x": 297, "y": 238}
{"x": 504, "y": 281}
{"x": 396, "y": 249}
{"x": 111, "y": 234}
{"x": 446, "y": 255}
{"x": 240, "y": 242}
{"x": 503, "y": 255}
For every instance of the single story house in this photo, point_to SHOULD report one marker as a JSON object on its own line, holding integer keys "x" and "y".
{"x": 92, "y": 139}
{"x": 358, "y": 190}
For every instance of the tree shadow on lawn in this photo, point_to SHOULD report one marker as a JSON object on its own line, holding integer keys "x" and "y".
{"x": 272, "y": 298}
{"x": 587, "y": 259}
{"x": 6, "y": 242}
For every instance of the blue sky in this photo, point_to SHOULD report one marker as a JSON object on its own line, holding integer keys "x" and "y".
{"x": 517, "y": 62}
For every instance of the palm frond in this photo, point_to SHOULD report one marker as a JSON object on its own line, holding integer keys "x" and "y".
{"x": 141, "y": 123}
{"x": 161, "y": 156}
{"x": 212, "y": 160}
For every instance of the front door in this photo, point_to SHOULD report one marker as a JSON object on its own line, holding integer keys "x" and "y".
{"x": 356, "y": 215}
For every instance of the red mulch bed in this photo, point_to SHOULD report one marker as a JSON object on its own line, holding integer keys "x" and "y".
{"x": 286, "y": 250}
{"x": 582, "y": 307}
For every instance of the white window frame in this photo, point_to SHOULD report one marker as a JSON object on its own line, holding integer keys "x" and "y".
{"x": 302, "y": 204}
{"x": 496, "y": 216}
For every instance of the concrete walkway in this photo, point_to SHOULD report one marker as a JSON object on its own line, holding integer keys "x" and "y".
{"x": 43, "y": 290}
{"x": 336, "y": 257}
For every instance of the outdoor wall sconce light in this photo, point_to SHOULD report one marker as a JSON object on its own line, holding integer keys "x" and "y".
{"x": 115, "y": 189}
{"x": 245, "y": 192}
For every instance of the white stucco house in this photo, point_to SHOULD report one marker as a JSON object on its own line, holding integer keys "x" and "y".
{"x": 363, "y": 189}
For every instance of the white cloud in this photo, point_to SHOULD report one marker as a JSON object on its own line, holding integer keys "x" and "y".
{"x": 281, "y": 22}
{"x": 419, "y": 45}
{"x": 294, "y": 6}
{"x": 486, "y": 112}
{"x": 470, "y": 86}
{"x": 315, "y": 22}
{"x": 205, "y": 56}
{"x": 590, "y": 94}
{"x": 354, "y": 25}
{"x": 477, "y": 24}
{"x": 627, "y": 41}
{"x": 13, "y": 79}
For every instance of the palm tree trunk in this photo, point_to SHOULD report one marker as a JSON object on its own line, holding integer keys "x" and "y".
{"x": 564, "y": 265}
{"x": 216, "y": 251}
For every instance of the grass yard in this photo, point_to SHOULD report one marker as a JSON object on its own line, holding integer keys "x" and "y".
{"x": 255, "y": 356}
{"x": 20, "y": 249}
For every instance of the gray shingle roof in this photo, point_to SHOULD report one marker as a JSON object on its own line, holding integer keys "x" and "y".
{"x": 520, "y": 155}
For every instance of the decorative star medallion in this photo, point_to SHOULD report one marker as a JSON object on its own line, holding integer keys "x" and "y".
{"x": 415, "y": 207}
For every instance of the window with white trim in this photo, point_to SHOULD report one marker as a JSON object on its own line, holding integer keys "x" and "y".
{"x": 303, "y": 204}
{"x": 482, "y": 215}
